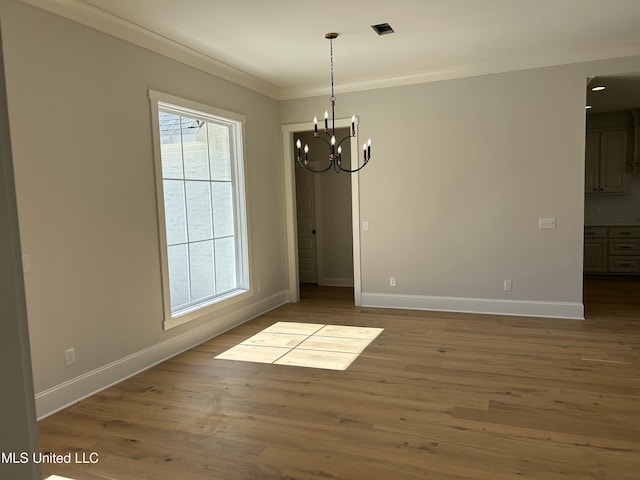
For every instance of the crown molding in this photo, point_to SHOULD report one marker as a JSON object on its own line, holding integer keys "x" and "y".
{"x": 467, "y": 70}
{"x": 105, "y": 22}
{"x": 88, "y": 15}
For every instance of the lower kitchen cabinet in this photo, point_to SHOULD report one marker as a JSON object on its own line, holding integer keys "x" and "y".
{"x": 614, "y": 250}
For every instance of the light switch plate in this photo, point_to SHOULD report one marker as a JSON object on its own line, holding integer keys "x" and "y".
{"x": 547, "y": 222}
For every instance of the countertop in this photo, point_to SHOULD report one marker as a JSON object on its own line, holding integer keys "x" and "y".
{"x": 612, "y": 223}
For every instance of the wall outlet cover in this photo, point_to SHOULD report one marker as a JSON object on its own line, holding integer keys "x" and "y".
{"x": 70, "y": 356}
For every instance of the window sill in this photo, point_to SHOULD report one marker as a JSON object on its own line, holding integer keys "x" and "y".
{"x": 201, "y": 311}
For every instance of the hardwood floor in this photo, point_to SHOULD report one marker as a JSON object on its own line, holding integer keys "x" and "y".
{"x": 435, "y": 396}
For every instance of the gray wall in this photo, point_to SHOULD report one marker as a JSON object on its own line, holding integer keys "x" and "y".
{"x": 81, "y": 133}
{"x": 461, "y": 172}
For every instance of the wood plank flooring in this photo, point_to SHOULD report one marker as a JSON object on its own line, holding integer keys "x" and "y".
{"x": 437, "y": 396}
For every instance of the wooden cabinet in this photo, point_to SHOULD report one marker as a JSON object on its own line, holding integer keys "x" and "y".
{"x": 624, "y": 249}
{"x": 595, "y": 250}
{"x": 607, "y": 157}
{"x": 614, "y": 250}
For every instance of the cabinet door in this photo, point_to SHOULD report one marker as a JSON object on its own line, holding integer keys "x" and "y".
{"x": 591, "y": 163}
{"x": 595, "y": 251}
{"x": 613, "y": 161}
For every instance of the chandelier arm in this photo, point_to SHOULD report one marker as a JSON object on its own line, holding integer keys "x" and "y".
{"x": 355, "y": 169}
{"x": 308, "y": 168}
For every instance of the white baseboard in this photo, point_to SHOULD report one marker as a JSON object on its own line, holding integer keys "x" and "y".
{"x": 65, "y": 394}
{"x": 528, "y": 308}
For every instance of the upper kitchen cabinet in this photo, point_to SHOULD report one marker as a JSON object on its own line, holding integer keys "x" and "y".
{"x": 608, "y": 153}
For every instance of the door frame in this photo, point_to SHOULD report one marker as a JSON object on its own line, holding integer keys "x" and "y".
{"x": 290, "y": 208}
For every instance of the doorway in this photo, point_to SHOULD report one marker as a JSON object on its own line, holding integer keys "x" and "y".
{"x": 611, "y": 263}
{"x": 336, "y": 252}
{"x": 323, "y": 214}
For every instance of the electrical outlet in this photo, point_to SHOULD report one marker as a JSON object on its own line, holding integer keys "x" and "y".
{"x": 507, "y": 285}
{"x": 392, "y": 281}
{"x": 70, "y": 356}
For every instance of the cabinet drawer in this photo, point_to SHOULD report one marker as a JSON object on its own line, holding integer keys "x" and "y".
{"x": 624, "y": 232}
{"x": 624, "y": 264}
{"x": 624, "y": 247}
{"x": 595, "y": 232}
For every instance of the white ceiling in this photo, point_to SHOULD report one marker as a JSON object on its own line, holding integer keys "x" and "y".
{"x": 278, "y": 46}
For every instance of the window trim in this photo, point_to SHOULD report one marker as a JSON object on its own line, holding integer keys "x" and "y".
{"x": 171, "y": 320}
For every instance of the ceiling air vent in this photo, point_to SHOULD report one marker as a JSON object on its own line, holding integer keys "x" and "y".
{"x": 382, "y": 28}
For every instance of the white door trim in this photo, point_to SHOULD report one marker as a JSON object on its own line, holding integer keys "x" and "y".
{"x": 290, "y": 208}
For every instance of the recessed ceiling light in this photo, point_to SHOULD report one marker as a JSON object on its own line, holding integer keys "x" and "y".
{"x": 599, "y": 88}
{"x": 382, "y": 28}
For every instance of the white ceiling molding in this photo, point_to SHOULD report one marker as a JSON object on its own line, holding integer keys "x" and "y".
{"x": 91, "y": 16}
{"x": 105, "y": 22}
{"x": 463, "y": 71}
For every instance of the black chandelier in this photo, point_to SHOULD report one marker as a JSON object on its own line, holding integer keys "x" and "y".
{"x": 329, "y": 135}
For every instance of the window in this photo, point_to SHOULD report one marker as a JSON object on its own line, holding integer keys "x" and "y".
{"x": 200, "y": 184}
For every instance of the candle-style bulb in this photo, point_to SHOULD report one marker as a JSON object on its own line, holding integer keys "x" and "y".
{"x": 315, "y": 120}
{"x": 339, "y": 149}
{"x": 326, "y": 114}
{"x": 298, "y": 144}
{"x": 333, "y": 139}
{"x": 306, "y": 148}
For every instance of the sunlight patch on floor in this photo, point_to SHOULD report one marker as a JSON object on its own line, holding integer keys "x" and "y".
{"x": 314, "y": 345}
